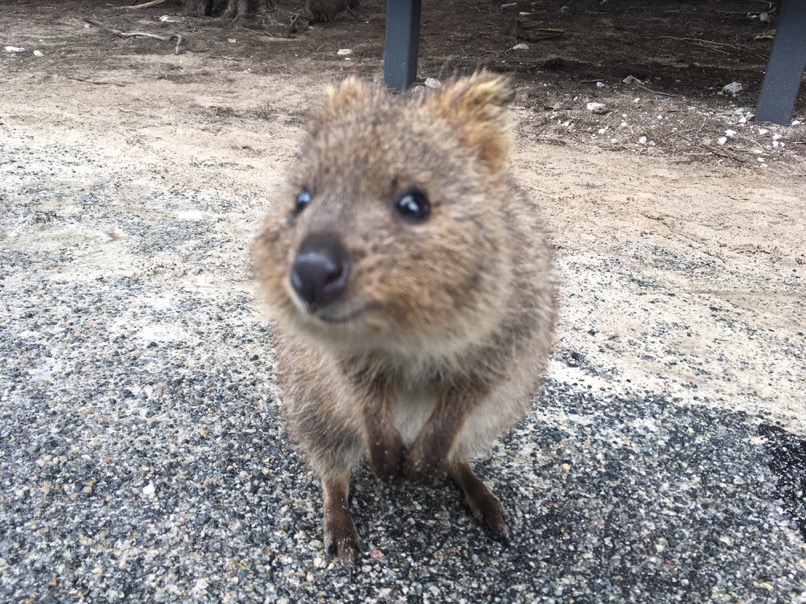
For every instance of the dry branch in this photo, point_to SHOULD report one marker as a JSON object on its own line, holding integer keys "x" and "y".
{"x": 95, "y": 82}
{"x": 137, "y": 34}
{"x": 147, "y": 4}
{"x": 709, "y": 44}
{"x": 642, "y": 87}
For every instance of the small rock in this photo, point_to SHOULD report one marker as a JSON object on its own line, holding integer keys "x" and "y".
{"x": 722, "y": 140}
{"x": 521, "y": 46}
{"x": 762, "y": 131}
{"x": 598, "y": 108}
{"x": 600, "y": 84}
{"x": 14, "y": 49}
{"x": 343, "y": 52}
{"x": 432, "y": 83}
{"x": 149, "y": 489}
{"x": 642, "y": 140}
{"x": 39, "y": 53}
{"x": 732, "y": 89}
{"x": 632, "y": 81}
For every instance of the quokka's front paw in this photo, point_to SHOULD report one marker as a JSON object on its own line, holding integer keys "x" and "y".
{"x": 341, "y": 540}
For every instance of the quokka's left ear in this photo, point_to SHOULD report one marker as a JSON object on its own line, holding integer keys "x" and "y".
{"x": 477, "y": 108}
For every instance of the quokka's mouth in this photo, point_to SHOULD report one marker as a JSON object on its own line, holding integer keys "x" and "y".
{"x": 333, "y": 316}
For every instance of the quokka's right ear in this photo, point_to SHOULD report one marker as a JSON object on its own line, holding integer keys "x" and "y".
{"x": 351, "y": 92}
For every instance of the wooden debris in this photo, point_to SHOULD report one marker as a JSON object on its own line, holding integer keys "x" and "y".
{"x": 137, "y": 34}
{"x": 147, "y": 4}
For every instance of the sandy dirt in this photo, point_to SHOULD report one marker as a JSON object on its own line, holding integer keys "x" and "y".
{"x": 682, "y": 258}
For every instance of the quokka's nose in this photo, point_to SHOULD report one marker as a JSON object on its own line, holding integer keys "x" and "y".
{"x": 320, "y": 271}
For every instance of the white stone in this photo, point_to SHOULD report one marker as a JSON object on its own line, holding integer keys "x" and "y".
{"x": 732, "y": 89}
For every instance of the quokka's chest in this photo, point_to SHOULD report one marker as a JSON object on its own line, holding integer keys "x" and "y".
{"x": 411, "y": 410}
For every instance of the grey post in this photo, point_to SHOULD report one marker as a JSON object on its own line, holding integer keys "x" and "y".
{"x": 785, "y": 69}
{"x": 402, "y": 42}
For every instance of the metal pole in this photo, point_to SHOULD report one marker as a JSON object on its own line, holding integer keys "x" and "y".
{"x": 402, "y": 42}
{"x": 785, "y": 69}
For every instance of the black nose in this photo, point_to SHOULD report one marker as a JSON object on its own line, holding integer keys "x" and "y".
{"x": 320, "y": 271}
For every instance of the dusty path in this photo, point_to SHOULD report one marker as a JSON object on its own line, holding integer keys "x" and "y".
{"x": 140, "y": 451}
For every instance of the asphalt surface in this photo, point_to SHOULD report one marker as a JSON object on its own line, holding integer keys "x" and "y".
{"x": 142, "y": 458}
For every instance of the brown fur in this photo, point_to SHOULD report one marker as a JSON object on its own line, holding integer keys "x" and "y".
{"x": 441, "y": 336}
{"x": 326, "y": 10}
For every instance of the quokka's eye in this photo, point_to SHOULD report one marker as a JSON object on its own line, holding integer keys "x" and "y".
{"x": 413, "y": 205}
{"x": 302, "y": 201}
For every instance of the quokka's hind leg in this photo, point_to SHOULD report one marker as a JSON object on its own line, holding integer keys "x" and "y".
{"x": 341, "y": 536}
{"x": 484, "y": 506}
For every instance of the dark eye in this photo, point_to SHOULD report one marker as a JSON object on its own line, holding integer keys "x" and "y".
{"x": 302, "y": 201}
{"x": 413, "y": 205}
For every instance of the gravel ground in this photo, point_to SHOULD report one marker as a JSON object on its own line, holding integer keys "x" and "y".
{"x": 141, "y": 455}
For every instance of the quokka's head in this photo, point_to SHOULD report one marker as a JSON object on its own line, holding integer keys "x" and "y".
{"x": 391, "y": 232}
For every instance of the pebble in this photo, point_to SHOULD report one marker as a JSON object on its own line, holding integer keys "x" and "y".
{"x": 732, "y": 89}
{"x": 598, "y": 108}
